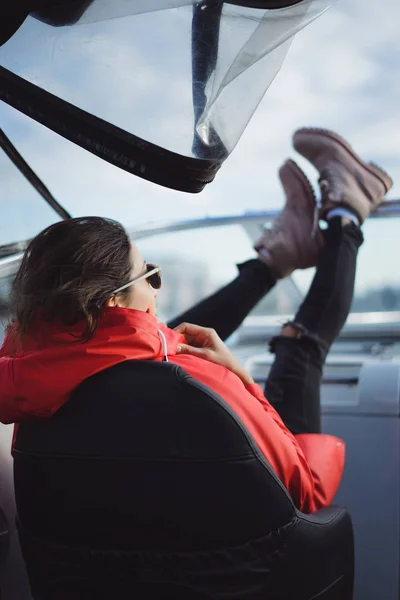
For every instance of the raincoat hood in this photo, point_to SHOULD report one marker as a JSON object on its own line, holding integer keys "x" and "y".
{"x": 37, "y": 380}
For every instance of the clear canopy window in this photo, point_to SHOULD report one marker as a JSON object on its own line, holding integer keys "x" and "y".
{"x": 185, "y": 76}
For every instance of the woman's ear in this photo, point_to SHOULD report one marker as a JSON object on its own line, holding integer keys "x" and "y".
{"x": 112, "y": 301}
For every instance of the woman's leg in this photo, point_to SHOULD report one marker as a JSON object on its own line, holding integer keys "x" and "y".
{"x": 226, "y": 310}
{"x": 293, "y": 385}
{"x": 282, "y": 249}
{"x": 351, "y": 189}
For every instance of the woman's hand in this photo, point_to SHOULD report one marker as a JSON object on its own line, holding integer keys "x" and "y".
{"x": 205, "y": 343}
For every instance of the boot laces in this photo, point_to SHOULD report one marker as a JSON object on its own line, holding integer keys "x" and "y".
{"x": 328, "y": 184}
{"x": 315, "y": 221}
{"x": 278, "y": 225}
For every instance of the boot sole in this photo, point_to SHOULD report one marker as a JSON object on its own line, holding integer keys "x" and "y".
{"x": 308, "y": 189}
{"x": 372, "y": 168}
{"x": 304, "y": 180}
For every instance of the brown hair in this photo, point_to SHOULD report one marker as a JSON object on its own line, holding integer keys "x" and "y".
{"x": 69, "y": 271}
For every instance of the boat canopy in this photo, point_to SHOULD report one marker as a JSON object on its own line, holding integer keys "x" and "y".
{"x": 163, "y": 89}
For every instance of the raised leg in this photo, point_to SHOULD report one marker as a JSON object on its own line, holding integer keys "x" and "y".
{"x": 226, "y": 310}
{"x": 293, "y": 385}
{"x": 350, "y": 190}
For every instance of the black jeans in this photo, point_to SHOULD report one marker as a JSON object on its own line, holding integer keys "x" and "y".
{"x": 293, "y": 384}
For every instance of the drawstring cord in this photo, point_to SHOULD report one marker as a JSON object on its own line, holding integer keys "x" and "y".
{"x": 164, "y": 345}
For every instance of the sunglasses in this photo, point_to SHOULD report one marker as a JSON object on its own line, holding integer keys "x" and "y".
{"x": 153, "y": 276}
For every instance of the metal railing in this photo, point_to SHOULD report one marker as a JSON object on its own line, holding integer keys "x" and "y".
{"x": 9, "y": 265}
{"x": 371, "y": 325}
{"x": 387, "y": 209}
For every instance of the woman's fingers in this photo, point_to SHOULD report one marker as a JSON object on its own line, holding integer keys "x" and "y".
{"x": 198, "y": 336}
{"x": 205, "y": 343}
{"x": 187, "y": 328}
{"x": 193, "y": 351}
{"x": 192, "y": 329}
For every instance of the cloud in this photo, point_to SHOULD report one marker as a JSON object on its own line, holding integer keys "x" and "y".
{"x": 341, "y": 74}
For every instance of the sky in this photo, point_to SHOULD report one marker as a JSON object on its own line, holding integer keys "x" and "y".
{"x": 341, "y": 72}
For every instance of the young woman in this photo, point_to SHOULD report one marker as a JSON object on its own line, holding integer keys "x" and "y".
{"x": 84, "y": 300}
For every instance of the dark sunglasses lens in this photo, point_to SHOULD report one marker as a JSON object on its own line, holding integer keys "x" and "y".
{"x": 155, "y": 279}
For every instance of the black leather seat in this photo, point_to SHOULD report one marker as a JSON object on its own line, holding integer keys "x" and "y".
{"x": 146, "y": 485}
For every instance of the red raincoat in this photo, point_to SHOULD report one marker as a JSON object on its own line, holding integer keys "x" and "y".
{"x": 36, "y": 381}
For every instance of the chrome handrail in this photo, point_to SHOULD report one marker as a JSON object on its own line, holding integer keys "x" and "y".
{"x": 364, "y": 326}
{"x": 387, "y": 209}
{"x": 362, "y": 319}
{"x": 9, "y": 265}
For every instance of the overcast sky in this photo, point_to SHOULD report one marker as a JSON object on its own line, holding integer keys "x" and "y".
{"x": 341, "y": 72}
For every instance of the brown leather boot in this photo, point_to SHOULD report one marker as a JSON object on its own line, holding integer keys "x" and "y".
{"x": 294, "y": 240}
{"x": 345, "y": 179}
